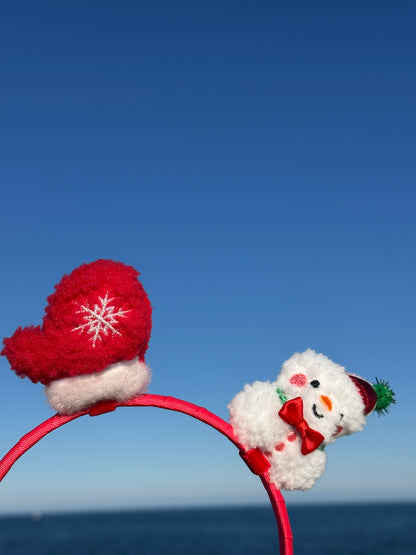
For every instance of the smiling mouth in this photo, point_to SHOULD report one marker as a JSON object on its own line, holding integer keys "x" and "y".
{"x": 316, "y": 413}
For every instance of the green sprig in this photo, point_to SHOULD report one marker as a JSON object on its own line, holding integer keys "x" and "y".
{"x": 385, "y": 396}
{"x": 282, "y": 396}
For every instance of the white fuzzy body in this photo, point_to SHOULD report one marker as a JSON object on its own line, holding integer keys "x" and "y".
{"x": 254, "y": 417}
{"x": 333, "y": 408}
{"x": 119, "y": 382}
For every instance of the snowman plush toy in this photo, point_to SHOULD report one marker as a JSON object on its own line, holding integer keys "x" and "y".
{"x": 313, "y": 402}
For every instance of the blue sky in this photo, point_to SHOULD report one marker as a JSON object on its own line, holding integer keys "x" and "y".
{"x": 255, "y": 162}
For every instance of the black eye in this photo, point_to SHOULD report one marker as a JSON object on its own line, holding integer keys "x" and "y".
{"x": 315, "y": 383}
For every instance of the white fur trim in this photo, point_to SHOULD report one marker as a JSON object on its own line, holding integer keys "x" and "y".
{"x": 118, "y": 382}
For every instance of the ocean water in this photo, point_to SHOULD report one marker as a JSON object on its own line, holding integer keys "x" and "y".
{"x": 321, "y": 529}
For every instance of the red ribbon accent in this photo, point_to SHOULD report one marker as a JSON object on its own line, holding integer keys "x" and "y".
{"x": 256, "y": 461}
{"x": 292, "y": 413}
{"x": 102, "y": 407}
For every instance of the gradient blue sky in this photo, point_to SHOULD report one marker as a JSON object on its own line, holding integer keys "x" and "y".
{"x": 255, "y": 161}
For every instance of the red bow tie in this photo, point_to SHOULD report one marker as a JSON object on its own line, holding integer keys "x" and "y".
{"x": 292, "y": 413}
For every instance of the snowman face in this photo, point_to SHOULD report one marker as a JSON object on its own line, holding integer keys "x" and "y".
{"x": 327, "y": 393}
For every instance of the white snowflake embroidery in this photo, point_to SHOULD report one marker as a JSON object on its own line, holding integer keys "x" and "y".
{"x": 101, "y": 320}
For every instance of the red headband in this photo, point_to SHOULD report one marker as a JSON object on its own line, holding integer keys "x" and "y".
{"x": 254, "y": 459}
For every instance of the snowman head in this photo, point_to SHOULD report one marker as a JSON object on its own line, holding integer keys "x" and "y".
{"x": 335, "y": 403}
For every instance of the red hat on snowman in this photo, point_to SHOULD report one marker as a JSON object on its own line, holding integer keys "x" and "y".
{"x": 92, "y": 342}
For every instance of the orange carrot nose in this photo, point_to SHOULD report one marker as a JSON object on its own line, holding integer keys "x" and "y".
{"x": 326, "y": 401}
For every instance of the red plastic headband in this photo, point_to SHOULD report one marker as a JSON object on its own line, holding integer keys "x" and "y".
{"x": 254, "y": 459}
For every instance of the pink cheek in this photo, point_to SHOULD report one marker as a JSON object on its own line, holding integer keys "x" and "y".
{"x": 300, "y": 380}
